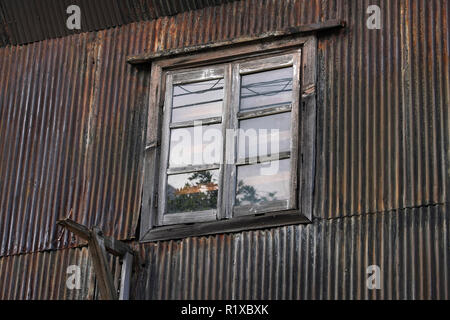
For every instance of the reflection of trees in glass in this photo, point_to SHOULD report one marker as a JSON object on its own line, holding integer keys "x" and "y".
{"x": 246, "y": 195}
{"x": 199, "y": 193}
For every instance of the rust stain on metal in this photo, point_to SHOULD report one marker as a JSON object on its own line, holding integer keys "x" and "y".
{"x": 73, "y": 114}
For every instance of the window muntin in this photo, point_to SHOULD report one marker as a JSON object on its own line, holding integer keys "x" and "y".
{"x": 259, "y": 94}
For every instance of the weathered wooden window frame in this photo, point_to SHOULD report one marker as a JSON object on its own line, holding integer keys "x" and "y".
{"x": 172, "y": 78}
{"x": 151, "y": 222}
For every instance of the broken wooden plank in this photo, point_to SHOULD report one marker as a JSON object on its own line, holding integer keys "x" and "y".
{"x": 97, "y": 252}
{"x": 113, "y": 246}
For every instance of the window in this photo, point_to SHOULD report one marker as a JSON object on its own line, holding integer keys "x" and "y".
{"x": 236, "y": 132}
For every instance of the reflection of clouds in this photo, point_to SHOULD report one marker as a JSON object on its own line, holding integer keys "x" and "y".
{"x": 264, "y": 184}
{"x": 197, "y": 93}
{"x": 197, "y": 112}
{"x": 205, "y": 147}
{"x": 265, "y": 135}
{"x": 258, "y": 91}
{"x": 267, "y": 184}
{"x": 273, "y": 137}
{"x": 262, "y": 180}
{"x": 202, "y": 145}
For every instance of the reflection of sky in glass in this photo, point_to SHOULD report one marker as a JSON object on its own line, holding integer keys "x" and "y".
{"x": 184, "y": 147}
{"x": 265, "y": 142}
{"x": 267, "y": 88}
{"x": 197, "y": 100}
{"x": 264, "y": 185}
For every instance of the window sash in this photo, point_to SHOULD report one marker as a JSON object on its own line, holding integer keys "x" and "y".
{"x": 293, "y": 59}
{"x": 231, "y": 115}
{"x": 174, "y": 78}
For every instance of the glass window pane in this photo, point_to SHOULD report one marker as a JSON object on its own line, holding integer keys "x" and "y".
{"x": 195, "y": 146}
{"x": 190, "y": 192}
{"x": 264, "y": 183}
{"x": 197, "y": 93}
{"x": 201, "y": 111}
{"x": 264, "y": 136}
{"x": 266, "y": 89}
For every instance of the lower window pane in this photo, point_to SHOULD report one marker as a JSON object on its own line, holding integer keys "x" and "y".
{"x": 196, "y": 191}
{"x": 263, "y": 184}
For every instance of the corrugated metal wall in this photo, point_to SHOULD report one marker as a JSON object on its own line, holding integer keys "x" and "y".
{"x": 384, "y": 117}
{"x": 44, "y": 275}
{"x": 73, "y": 115}
{"x": 71, "y": 139}
{"x": 26, "y": 21}
{"x": 323, "y": 260}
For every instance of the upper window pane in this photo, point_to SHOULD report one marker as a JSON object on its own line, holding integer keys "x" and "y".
{"x": 198, "y": 100}
{"x": 266, "y": 89}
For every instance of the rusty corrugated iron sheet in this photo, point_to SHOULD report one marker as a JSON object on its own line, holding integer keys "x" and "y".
{"x": 384, "y": 120}
{"x": 71, "y": 139}
{"x": 323, "y": 260}
{"x": 73, "y": 114}
{"x": 4, "y": 37}
{"x": 44, "y": 275}
{"x": 26, "y": 21}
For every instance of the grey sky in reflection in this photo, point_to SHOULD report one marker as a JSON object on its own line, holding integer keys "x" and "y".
{"x": 269, "y": 142}
{"x": 268, "y": 88}
{"x": 272, "y": 187}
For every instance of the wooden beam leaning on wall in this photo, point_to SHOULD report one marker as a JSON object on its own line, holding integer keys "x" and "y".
{"x": 98, "y": 245}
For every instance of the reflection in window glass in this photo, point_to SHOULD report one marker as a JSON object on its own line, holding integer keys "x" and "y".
{"x": 198, "y": 100}
{"x": 255, "y": 141}
{"x": 195, "y": 146}
{"x": 263, "y": 183}
{"x": 196, "y": 112}
{"x": 190, "y": 192}
{"x": 266, "y": 89}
